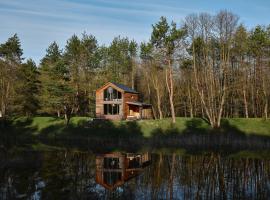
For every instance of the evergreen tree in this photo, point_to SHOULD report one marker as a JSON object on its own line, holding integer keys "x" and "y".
{"x": 10, "y": 60}
{"x": 27, "y": 89}
{"x": 119, "y": 67}
{"x": 50, "y": 102}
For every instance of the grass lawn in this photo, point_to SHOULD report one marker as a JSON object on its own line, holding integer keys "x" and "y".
{"x": 188, "y": 134}
{"x": 147, "y": 127}
{"x": 249, "y": 126}
{"x": 37, "y": 124}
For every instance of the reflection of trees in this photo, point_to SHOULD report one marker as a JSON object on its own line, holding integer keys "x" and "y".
{"x": 22, "y": 184}
{"x": 55, "y": 175}
{"x": 212, "y": 177}
{"x": 68, "y": 174}
{"x": 71, "y": 175}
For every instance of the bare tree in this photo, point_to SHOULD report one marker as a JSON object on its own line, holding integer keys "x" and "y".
{"x": 211, "y": 68}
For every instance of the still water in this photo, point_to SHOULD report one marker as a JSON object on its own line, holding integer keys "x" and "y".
{"x": 144, "y": 175}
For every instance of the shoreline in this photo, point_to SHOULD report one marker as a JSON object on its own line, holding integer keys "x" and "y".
{"x": 190, "y": 134}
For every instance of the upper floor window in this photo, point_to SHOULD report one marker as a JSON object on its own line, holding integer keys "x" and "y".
{"x": 111, "y": 94}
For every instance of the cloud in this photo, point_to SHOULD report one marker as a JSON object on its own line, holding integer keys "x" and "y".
{"x": 40, "y": 22}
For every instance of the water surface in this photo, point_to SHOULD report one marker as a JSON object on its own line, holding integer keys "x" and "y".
{"x": 127, "y": 175}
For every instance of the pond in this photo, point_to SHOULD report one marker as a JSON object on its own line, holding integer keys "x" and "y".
{"x": 125, "y": 175}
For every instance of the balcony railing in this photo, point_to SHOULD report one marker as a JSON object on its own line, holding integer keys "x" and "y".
{"x": 115, "y": 100}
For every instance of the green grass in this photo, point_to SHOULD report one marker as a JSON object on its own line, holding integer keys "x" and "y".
{"x": 148, "y": 126}
{"x": 252, "y": 125}
{"x": 37, "y": 124}
{"x": 248, "y": 126}
{"x": 187, "y": 133}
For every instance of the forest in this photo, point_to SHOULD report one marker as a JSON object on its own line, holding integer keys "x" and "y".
{"x": 207, "y": 66}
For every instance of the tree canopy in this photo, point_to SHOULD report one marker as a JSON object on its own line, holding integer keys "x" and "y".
{"x": 208, "y": 66}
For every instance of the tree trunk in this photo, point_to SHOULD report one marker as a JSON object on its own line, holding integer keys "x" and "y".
{"x": 265, "y": 97}
{"x": 190, "y": 103}
{"x": 159, "y": 104}
{"x": 245, "y": 103}
{"x": 67, "y": 118}
{"x": 2, "y": 106}
{"x": 58, "y": 114}
{"x": 169, "y": 83}
{"x": 220, "y": 109}
{"x": 253, "y": 102}
{"x": 150, "y": 99}
{"x": 67, "y": 114}
{"x": 266, "y": 110}
{"x": 155, "y": 82}
{"x": 132, "y": 80}
{"x": 133, "y": 74}
{"x": 3, "y": 110}
{"x": 265, "y": 106}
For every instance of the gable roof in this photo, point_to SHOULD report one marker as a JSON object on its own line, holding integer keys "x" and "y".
{"x": 124, "y": 87}
{"x": 119, "y": 86}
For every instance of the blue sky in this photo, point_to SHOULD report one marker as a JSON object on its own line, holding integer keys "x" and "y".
{"x": 38, "y": 23}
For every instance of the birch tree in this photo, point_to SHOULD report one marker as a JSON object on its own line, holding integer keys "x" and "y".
{"x": 211, "y": 74}
{"x": 166, "y": 40}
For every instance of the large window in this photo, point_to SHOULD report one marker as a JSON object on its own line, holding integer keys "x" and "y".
{"x": 111, "y": 163}
{"x": 111, "y": 94}
{"x": 111, "y": 178}
{"x": 111, "y": 109}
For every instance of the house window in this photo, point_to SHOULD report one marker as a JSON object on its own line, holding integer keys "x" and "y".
{"x": 111, "y": 109}
{"x": 111, "y": 163}
{"x": 111, "y": 178}
{"x": 111, "y": 94}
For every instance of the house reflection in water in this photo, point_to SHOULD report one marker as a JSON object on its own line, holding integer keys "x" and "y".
{"x": 114, "y": 169}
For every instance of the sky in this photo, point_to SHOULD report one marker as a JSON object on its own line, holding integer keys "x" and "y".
{"x": 40, "y": 22}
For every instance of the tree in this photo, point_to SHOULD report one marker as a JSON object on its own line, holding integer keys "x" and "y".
{"x": 58, "y": 86}
{"x": 81, "y": 55}
{"x": 211, "y": 69}
{"x": 90, "y": 57}
{"x": 132, "y": 49}
{"x": 120, "y": 65}
{"x": 153, "y": 73}
{"x": 259, "y": 49}
{"x": 166, "y": 40}
{"x": 27, "y": 89}
{"x": 240, "y": 53}
{"x": 10, "y": 60}
{"x": 61, "y": 91}
{"x": 49, "y": 103}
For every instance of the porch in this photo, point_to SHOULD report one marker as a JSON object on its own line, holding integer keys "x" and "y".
{"x": 138, "y": 110}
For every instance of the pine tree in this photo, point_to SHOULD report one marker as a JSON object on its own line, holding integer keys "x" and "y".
{"x": 10, "y": 60}
{"x": 27, "y": 89}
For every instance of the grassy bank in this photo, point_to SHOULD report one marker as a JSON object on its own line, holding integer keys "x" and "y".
{"x": 39, "y": 125}
{"x": 191, "y": 134}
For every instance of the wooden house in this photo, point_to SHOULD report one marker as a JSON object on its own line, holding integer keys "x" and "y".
{"x": 114, "y": 169}
{"x": 117, "y": 101}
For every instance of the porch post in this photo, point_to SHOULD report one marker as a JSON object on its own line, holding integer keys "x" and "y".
{"x": 124, "y": 109}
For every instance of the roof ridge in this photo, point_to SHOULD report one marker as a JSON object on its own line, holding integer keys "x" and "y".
{"x": 124, "y": 87}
